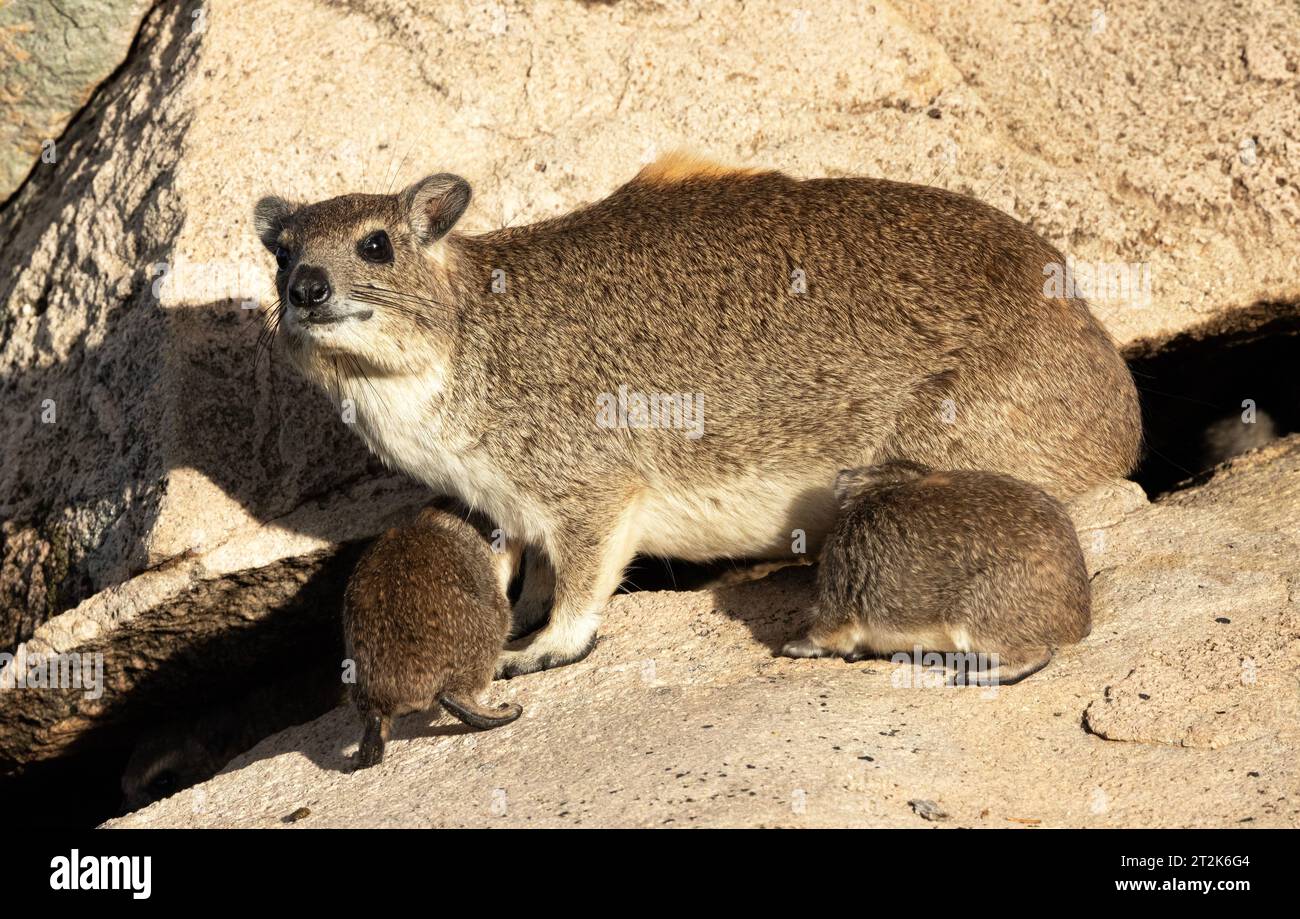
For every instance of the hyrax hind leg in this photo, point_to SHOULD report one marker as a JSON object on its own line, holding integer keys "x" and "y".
{"x": 534, "y": 603}
{"x": 376, "y": 730}
{"x": 1000, "y": 668}
{"x": 844, "y": 638}
{"x": 588, "y": 568}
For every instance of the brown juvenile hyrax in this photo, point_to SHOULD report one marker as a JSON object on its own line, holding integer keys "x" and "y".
{"x": 424, "y": 617}
{"x": 970, "y": 562}
{"x": 680, "y": 368}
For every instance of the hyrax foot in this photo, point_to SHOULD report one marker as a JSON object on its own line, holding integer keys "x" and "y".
{"x": 837, "y": 639}
{"x": 754, "y": 572}
{"x": 1000, "y": 669}
{"x": 478, "y": 716}
{"x": 805, "y": 647}
{"x": 542, "y": 654}
{"x": 371, "y": 752}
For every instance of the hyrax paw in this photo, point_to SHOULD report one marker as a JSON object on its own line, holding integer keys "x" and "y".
{"x": 535, "y": 658}
{"x": 516, "y": 663}
{"x": 804, "y": 647}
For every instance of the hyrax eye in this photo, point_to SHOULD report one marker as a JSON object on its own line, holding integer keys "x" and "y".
{"x": 376, "y": 248}
{"x": 282, "y": 257}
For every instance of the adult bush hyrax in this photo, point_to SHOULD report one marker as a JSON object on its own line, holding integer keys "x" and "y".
{"x": 826, "y": 324}
{"x": 424, "y": 617}
{"x": 970, "y": 562}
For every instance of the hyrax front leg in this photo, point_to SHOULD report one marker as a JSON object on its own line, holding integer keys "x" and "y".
{"x": 587, "y": 571}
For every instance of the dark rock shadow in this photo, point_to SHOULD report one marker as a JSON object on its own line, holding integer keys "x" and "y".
{"x": 1203, "y": 375}
{"x": 326, "y": 741}
{"x": 151, "y": 390}
{"x": 775, "y": 608}
{"x": 152, "y": 681}
{"x": 52, "y": 484}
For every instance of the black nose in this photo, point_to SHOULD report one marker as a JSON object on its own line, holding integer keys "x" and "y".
{"x": 308, "y": 286}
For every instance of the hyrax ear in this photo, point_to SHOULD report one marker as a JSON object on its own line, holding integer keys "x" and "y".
{"x": 848, "y": 482}
{"x": 269, "y": 217}
{"x": 435, "y": 204}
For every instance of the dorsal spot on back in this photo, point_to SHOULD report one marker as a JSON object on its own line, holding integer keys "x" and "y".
{"x": 680, "y": 166}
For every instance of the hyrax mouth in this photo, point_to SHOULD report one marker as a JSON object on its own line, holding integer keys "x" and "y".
{"x": 333, "y": 317}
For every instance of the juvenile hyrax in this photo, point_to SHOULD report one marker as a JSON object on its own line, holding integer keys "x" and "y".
{"x": 424, "y": 617}
{"x": 681, "y": 368}
{"x": 969, "y": 562}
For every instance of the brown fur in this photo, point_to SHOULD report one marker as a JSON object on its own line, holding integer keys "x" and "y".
{"x": 424, "y": 619}
{"x": 924, "y": 333}
{"x": 961, "y": 561}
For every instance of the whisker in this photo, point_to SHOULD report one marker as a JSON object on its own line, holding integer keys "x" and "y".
{"x": 357, "y": 370}
{"x": 400, "y": 166}
{"x": 338, "y": 380}
{"x": 1180, "y": 466}
{"x": 405, "y": 309}
{"x": 1173, "y": 395}
{"x": 671, "y": 574}
{"x": 267, "y": 334}
{"x": 411, "y": 309}
{"x": 405, "y": 294}
{"x": 625, "y": 590}
{"x": 372, "y": 297}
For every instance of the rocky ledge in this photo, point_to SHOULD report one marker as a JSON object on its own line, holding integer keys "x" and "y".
{"x": 186, "y": 511}
{"x": 1182, "y": 708}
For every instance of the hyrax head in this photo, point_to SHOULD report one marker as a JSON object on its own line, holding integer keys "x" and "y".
{"x": 364, "y": 276}
{"x": 851, "y": 484}
{"x": 169, "y": 759}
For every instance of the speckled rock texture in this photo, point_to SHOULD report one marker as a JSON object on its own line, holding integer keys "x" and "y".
{"x": 53, "y": 55}
{"x": 1182, "y": 708}
{"x": 140, "y": 442}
